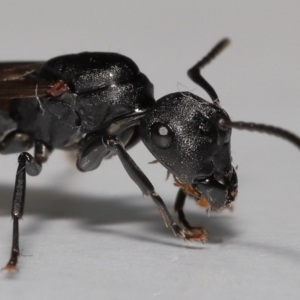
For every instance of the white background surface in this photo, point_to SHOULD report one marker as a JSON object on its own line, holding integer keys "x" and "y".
{"x": 93, "y": 236}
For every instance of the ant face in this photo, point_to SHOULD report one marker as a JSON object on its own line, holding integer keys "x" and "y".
{"x": 182, "y": 132}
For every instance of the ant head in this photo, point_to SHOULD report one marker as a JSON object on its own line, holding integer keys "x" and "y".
{"x": 191, "y": 138}
{"x": 182, "y": 131}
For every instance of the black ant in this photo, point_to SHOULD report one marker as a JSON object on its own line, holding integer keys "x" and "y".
{"x": 101, "y": 105}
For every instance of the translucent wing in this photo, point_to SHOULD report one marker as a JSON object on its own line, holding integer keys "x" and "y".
{"x": 17, "y": 70}
{"x": 16, "y": 81}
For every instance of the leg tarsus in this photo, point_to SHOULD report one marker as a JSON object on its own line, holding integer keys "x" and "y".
{"x": 15, "y": 251}
{"x": 189, "y": 235}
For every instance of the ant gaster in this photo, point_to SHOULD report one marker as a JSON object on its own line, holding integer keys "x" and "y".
{"x": 101, "y": 105}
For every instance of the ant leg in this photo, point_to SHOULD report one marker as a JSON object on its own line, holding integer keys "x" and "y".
{"x": 194, "y": 72}
{"x": 15, "y": 142}
{"x": 32, "y": 166}
{"x": 91, "y": 152}
{"x": 178, "y": 207}
{"x": 134, "y": 138}
{"x": 147, "y": 189}
{"x": 92, "y": 149}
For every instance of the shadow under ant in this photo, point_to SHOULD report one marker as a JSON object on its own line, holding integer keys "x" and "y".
{"x": 92, "y": 212}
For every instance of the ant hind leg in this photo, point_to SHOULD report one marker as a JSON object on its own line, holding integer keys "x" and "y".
{"x": 32, "y": 166}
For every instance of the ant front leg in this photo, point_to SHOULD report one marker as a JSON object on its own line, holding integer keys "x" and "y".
{"x": 32, "y": 166}
{"x": 147, "y": 189}
{"x": 178, "y": 207}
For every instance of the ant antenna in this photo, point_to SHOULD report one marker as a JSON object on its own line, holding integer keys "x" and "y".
{"x": 194, "y": 72}
{"x": 269, "y": 129}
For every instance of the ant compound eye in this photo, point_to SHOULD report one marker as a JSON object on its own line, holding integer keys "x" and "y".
{"x": 162, "y": 135}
